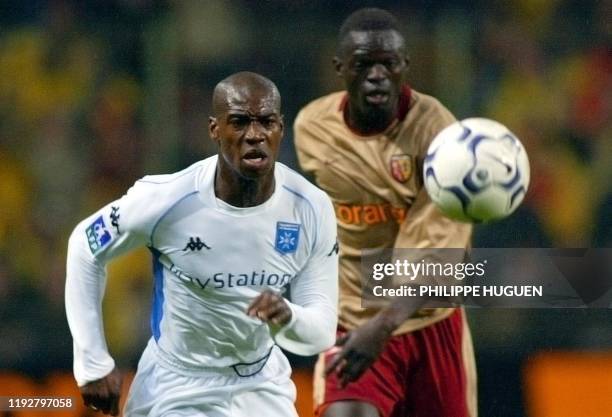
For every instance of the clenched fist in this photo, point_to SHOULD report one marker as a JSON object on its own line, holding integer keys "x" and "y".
{"x": 270, "y": 307}
{"x": 103, "y": 394}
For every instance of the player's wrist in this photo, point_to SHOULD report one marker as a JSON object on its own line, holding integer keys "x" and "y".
{"x": 386, "y": 323}
{"x": 398, "y": 312}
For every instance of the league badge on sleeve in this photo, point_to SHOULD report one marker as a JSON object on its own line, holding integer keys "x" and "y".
{"x": 97, "y": 235}
{"x": 287, "y": 237}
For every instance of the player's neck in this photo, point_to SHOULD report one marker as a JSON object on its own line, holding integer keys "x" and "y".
{"x": 373, "y": 122}
{"x": 239, "y": 191}
{"x": 370, "y": 122}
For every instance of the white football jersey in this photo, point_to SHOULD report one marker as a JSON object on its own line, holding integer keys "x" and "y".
{"x": 210, "y": 261}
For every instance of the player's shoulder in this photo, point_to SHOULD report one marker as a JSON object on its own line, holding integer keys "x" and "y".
{"x": 302, "y": 190}
{"x": 163, "y": 190}
{"x": 426, "y": 104}
{"x": 426, "y": 118}
{"x": 320, "y": 108}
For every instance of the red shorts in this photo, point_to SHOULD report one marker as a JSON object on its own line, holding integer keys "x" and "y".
{"x": 425, "y": 373}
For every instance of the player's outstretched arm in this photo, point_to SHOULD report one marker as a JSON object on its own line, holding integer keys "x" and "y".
{"x": 111, "y": 231}
{"x": 359, "y": 348}
{"x": 425, "y": 227}
{"x": 85, "y": 284}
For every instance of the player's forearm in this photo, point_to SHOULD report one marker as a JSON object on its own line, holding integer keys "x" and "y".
{"x": 400, "y": 310}
{"x": 85, "y": 282}
{"x": 312, "y": 329}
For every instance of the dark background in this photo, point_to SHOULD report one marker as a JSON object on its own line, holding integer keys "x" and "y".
{"x": 95, "y": 94}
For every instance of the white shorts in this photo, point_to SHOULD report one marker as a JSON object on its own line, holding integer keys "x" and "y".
{"x": 159, "y": 391}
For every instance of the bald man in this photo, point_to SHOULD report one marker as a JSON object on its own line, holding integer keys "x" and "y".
{"x": 228, "y": 235}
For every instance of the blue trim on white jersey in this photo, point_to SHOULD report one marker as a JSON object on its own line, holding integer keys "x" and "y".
{"x": 314, "y": 212}
{"x": 176, "y": 203}
{"x": 171, "y": 177}
{"x": 157, "y": 311}
{"x": 299, "y": 195}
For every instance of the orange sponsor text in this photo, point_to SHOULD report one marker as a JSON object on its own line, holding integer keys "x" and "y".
{"x": 369, "y": 213}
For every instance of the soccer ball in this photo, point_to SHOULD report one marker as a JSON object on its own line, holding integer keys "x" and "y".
{"x": 476, "y": 170}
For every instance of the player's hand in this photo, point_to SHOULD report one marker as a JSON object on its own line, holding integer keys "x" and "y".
{"x": 270, "y": 307}
{"x": 103, "y": 394}
{"x": 359, "y": 349}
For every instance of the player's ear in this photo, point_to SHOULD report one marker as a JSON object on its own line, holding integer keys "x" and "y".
{"x": 338, "y": 66}
{"x": 213, "y": 129}
{"x": 281, "y": 122}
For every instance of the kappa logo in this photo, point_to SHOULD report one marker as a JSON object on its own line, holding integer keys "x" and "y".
{"x": 114, "y": 216}
{"x": 195, "y": 244}
{"x": 334, "y": 250}
{"x": 98, "y": 235}
{"x": 287, "y": 237}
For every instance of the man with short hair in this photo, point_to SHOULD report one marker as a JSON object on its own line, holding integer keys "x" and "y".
{"x": 227, "y": 234}
{"x": 365, "y": 146}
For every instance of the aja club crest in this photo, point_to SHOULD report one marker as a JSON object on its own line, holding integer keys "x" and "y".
{"x": 287, "y": 237}
{"x": 401, "y": 167}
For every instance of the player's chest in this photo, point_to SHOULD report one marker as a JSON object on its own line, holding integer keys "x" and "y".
{"x": 369, "y": 170}
{"x": 217, "y": 250}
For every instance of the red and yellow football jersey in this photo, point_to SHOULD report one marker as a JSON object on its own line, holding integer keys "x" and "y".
{"x": 376, "y": 185}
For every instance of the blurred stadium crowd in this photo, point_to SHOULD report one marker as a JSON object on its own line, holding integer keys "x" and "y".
{"x": 94, "y": 94}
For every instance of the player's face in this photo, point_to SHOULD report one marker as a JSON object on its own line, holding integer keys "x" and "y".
{"x": 372, "y": 64}
{"x": 248, "y": 132}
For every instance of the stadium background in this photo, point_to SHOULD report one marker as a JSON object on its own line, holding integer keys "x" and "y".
{"x": 94, "y": 94}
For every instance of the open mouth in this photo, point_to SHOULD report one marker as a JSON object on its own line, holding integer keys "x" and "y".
{"x": 255, "y": 158}
{"x": 377, "y": 97}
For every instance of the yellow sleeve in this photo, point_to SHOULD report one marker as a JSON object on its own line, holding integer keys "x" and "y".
{"x": 304, "y": 140}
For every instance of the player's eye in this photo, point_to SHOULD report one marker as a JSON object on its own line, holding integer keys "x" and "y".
{"x": 391, "y": 64}
{"x": 359, "y": 65}
{"x": 268, "y": 123}
{"x": 238, "y": 122}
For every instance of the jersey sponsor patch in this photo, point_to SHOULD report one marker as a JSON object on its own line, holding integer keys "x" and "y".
{"x": 287, "y": 237}
{"x": 98, "y": 235}
{"x": 401, "y": 167}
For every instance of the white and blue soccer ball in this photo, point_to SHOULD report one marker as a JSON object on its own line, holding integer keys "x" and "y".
{"x": 476, "y": 170}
